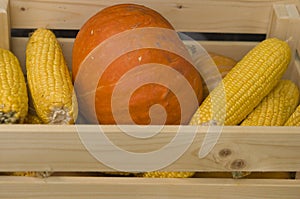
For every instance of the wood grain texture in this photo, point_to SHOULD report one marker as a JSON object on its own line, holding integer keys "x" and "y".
{"x": 4, "y": 24}
{"x": 129, "y": 188}
{"x": 59, "y": 148}
{"x": 285, "y": 25}
{"x": 239, "y": 16}
{"x": 298, "y": 49}
{"x": 295, "y": 73}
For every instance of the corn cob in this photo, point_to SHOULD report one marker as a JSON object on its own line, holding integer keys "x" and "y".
{"x": 294, "y": 119}
{"x": 13, "y": 92}
{"x": 248, "y": 82}
{"x": 41, "y": 174}
{"x": 117, "y": 173}
{"x": 167, "y": 174}
{"x": 49, "y": 79}
{"x": 276, "y": 107}
{"x": 32, "y": 119}
{"x": 273, "y": 110}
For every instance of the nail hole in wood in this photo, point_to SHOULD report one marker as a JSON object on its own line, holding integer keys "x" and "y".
{"x": 22, "y": 9}
{"x": 238, "y": 164}
{"x": 179, "y": 6}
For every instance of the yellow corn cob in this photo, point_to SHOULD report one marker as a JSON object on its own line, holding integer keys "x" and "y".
{"x": 276, "y": 107}
{"x": 27, "y": 173}
{"x": 49, "y": 79}
{"x": 13, "y": 92}
{"x": 167, "y": 174}
{"x": 273, "y": 110}
{"x": 248, "y": 82}
{"x": 294, "y": 119}
{"x": 118, "y": 173}
{"x": 42, "y": 174}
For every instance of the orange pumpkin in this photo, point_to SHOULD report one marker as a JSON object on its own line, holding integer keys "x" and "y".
{"x": 224, "y": 65}
{"x": 138, "y": 61}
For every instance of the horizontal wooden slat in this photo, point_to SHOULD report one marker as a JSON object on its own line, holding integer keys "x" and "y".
{"x": 58, "y": 148}
{"x": 129, "y": 188}
{"x": 237, "y": 16}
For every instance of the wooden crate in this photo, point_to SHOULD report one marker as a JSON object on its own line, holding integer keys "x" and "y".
{"x": 59, "y": 149}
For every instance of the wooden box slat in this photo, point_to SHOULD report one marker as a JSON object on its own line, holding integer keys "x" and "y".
{"x": 58, "y": 148}
{"x": 135, "y": 188}
{"x": 189, "y": 15}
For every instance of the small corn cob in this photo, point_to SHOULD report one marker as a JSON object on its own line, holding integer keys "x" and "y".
{"x": 294, "y": 119}
{"x": 13, "y": 92}
{"x": 118, "y": 173}
{"x": 248, "y": 82}
{"x": 25, "y": 173}
{"x": 41, "y": 174}
{"x": 276, "y": 107}
{"x": 167, "y": 174}
{"x": 49, "y": 79}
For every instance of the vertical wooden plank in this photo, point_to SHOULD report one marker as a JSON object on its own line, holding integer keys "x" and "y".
{"x": 284, "y": 20}
{"x": 285, "y": 25}
{"x": 4, "y": 24}
{"x": 297, "y": 66}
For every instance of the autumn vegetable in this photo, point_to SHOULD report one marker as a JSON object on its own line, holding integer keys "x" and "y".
{"x": 13, "y": 92}
{"x": 273, "y": 110}
{"x": 167, "y": 174}
{"x": 294, "y": 119}
{"x": 140, "y": 48}
{"x": 224, "y": 65}
{"x": 248, "y": 82}
{"x": 49, "y": 80}
{"x": 40, "y": 174}
{"x": 32, "y": 119}
{"x": 276, "y": 107}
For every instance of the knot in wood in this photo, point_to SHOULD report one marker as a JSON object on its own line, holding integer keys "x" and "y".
{"x": 238, "y": 164}
{"x": 224, "y": 153}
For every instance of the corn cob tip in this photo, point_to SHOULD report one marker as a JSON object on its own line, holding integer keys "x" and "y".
{"x": 60, "y": 116}
{"x": 9, "y": 117}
